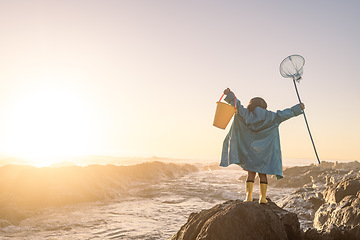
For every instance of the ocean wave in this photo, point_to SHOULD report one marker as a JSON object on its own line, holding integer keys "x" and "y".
{"x": 26, "y": 188}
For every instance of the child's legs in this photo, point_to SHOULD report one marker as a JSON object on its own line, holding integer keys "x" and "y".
{"x": 263, "y": 178}
{"x": 251, "y": 176}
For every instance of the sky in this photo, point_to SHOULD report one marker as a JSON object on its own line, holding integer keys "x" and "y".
{"x": 142, "y": 78}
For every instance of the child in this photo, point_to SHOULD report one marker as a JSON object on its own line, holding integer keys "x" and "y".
{"x": 253, "y": 141}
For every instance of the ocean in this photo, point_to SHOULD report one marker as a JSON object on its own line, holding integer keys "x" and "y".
{"x": 147, "y": 200}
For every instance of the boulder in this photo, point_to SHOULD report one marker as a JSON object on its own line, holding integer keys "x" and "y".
{"x": 337, "y": 191}
{"x": 346, "y": 213}
{"x": 241, "y": 220}
{"x": 339, "y": 216}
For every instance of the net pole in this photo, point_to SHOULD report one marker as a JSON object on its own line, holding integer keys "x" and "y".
{"x": 307, "y": 125}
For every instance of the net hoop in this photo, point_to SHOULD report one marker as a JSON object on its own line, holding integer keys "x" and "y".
{"x": 292, "y": 67}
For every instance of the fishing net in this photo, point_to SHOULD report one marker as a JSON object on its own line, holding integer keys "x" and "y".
{"x": 292, "y": 67}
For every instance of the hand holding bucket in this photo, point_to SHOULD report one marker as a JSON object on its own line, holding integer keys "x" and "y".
{"x": 224, "y": 113}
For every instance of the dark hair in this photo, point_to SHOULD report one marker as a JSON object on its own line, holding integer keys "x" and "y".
{"x": 256, "y": 102}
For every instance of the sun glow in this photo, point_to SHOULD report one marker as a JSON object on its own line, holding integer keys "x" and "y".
{"x": 46, "y": 125}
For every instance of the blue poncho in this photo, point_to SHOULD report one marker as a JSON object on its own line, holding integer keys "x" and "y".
{"x": 253, "y": 141}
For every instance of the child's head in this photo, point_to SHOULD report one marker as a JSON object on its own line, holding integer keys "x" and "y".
{"x": 256, "y": 102}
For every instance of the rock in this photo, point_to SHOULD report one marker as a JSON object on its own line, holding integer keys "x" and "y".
{"x": 316, "y": 202}
{"x": 241, "y": 220}
{"x": 346, "y": 213}
{"x": 347, "y": 165}
{"x": 304, "y": 202}
{"x": 336, "y": 192}
{"x": 339, "y": 216}
{"x": 355, "y": 232}
{"x": 335, "y": 233}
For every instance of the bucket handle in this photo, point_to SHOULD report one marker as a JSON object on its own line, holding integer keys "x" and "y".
{"x": 223, "y": 96}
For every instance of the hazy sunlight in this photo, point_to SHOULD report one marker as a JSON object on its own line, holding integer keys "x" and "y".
{"x": 48, "y": 124}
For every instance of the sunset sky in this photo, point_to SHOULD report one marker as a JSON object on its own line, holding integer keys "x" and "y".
{"x": 141, "y": 78}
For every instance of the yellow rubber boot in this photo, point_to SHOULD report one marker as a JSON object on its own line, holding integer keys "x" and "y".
{"x": 249, "y": 189}
{"x": 263, "y": 188}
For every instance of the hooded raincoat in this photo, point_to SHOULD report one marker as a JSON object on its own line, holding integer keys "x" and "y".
{"x": 253, "y": 141}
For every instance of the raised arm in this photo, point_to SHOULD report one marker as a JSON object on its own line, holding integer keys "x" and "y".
{"x": 289, "y": 113}
{"x": 230, "y": 98}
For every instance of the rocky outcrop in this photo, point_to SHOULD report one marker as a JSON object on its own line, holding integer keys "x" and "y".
{"x": 338, "y": 218}
{"x": 241, "y": 220}
{"x": 337, "y": 191}
{"x": 342, "y": 206}
{"x": 320, "y": 189}
{"x": 326, "y": 200}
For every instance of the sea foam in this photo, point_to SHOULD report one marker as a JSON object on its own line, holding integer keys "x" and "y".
{"x": 27, "y": 188}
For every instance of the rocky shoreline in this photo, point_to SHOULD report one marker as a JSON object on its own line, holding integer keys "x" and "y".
{"x": 326, "y": 206}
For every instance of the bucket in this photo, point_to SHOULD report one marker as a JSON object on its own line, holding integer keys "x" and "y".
{"x": 224, "y": 113}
